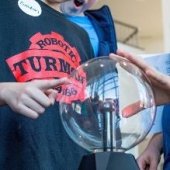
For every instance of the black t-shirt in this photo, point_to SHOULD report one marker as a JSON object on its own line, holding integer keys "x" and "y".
{"x": 36, "y": 42}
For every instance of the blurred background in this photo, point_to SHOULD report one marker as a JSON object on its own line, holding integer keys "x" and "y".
{"x": 142, "y": 27}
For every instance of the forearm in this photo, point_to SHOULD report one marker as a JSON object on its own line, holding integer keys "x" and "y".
{"x": 150, "y": 158}
{"x": 156, "y": 142}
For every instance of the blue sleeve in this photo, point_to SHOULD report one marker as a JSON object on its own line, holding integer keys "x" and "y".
{"x": 157, "y": 126}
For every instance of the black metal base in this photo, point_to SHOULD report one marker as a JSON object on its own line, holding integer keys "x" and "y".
{"x": 108, "y": 161}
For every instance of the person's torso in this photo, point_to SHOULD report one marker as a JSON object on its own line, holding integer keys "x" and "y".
{"x": 37, "y": 47}
{"x": 85, "y": 23}
{"x": 46, "y": 45}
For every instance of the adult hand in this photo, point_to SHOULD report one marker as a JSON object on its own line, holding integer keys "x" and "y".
{"x": 30, "y": 98}
{"x": 160, "y": 83}
{"x": 150, "y": 158}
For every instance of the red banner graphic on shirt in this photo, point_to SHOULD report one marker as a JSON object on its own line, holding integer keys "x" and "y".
{"x": 76, "y": 90}
{"x": 36, "y": 64}
{"x": 54, "y": 42}
{"x": 49, "y": 56}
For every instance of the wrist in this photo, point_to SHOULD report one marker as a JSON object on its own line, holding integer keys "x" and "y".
{"x": 156, "y": 143}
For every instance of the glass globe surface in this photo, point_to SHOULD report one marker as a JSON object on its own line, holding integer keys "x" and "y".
{"x": 108, "y": 105}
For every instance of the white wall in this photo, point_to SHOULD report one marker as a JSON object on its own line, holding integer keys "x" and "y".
{"x": 166, "y": 24}
{"x": 130, "y": 49}
{"x": 152, "y": 44}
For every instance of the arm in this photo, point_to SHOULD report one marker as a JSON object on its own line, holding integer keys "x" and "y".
{"x": 30, "y": 98}
{"x": 150, "y": 158}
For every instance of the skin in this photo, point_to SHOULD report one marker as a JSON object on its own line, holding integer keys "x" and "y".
{"x": 160, "y": 83}
{"x": 151, "y": 156}
{"x": 30, "y": 99}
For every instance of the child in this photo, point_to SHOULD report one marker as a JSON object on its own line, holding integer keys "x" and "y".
{"x": 98, "y": 24}
{"x": 38, "y": 45}
{"x": 100, "y": 28}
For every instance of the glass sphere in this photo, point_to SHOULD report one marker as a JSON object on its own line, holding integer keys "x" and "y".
{"x": 108, "y": 105}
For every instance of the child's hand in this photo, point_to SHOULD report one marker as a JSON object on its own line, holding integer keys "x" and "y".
{"x": 31, "y": 98}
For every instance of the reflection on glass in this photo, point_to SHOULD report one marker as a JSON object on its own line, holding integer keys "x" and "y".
{"x": 92, "y": 114}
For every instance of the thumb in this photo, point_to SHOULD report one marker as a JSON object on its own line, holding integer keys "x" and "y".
{"x": 52, "y": 83}
{"x": 116, "y": 57}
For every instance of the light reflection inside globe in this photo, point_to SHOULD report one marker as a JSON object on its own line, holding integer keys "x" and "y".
{"x": 91, "y": 107}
